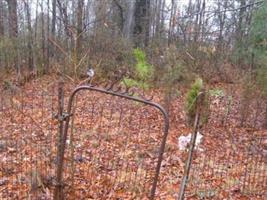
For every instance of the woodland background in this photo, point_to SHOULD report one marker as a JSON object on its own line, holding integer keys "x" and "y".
{"x": 151, "y": 43}
{"x": 218, "y": 40}
{"x": 158, "y": 46}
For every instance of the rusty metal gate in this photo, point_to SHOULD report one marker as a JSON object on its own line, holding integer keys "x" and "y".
{"x": 111, "y": 145}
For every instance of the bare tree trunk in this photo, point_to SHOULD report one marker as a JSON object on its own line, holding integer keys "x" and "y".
{"x": 47, "y": 41}
{"x": 196, "y": 26}
{"x": 64, "y": 17}
{"x": 189, "y": 23}
{"x": 63, "y": 9}
{"x": 147, "y": 23}
{"x": 2, "y": 31}
{"x": 13, "y": 18}
{"x": 53, "y": 25}
{"x": 54, "y": 15}
{"x": 36, "y": 21}
{"x": 101, "y": 8}
{"x": 201, "y": 20}
{"x": 87, "y": 16}
{"x": 221, "y": 17}
{"x": 163, "y": 4}
{"x": 240, "y": 28}
{"x": 44, "y": 46}
{"x": 142, "y": 22}
{"x": 158, "y": 19}
{"x": 241, "y": 19}
{"x": 79, "y": 28}
{"x": 171, "y": 22}
{"x": 129, "y": 19}
{"x": 118, "y": 13}
{"x": 30, "y": 39}
{"x": 13, "y": 30}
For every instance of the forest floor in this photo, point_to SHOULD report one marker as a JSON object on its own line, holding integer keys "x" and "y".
{"x": 229, "y": 163}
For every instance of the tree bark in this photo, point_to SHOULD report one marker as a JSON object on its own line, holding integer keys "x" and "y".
{"x": 119, "y": 15}
{"x": 171, "y": 22}
{"x": 142, "y": 22}
{"x": 79, "y": 28}
{"x": 196, "y": 25}
{"x": 240, "y": 29}
{"x": 13, "y": 18}
{"x": 30, "y": 39}
{"x": 2, "y": 30}
{"x": 54, "y": 15}
{"x": 129, "y": 19}
{"x": 64, "y": 17}
{"x": 53, "y": 27}
{"x": 13, "y": 31}
{"x": 49, "y": 47}
{"x": 158, "y": 19}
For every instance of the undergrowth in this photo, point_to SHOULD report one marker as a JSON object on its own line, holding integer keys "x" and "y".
{"x": 191, "y": 103}
{"x": 143, "y": 71}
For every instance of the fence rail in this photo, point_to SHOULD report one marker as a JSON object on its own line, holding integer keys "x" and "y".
{"x": 113, "y": 149}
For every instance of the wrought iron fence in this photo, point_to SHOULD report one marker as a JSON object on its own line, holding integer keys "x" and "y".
{"x": 233, "y": 164}
{"x": 228, "y": 175}
{"x": 113, "y": 145}
{"x": 27, "y": 143}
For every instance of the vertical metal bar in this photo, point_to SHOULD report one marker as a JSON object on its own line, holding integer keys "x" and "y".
{"x": 161, "y": 152}
{"x": 189, "y": 160}
{"x": 199, "y": 104}
{"x": 58, "y": 194}
{"x": 72, "y": 145}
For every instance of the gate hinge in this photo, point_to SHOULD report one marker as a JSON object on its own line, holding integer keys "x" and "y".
{"x": 62, "y": 117}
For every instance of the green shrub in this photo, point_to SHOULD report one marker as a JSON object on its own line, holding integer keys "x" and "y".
{"x": 191, "y": 102}
{"x": 192, "y": 96}
{"x": 143, "y": 71}
{"x": 216, "y": 93}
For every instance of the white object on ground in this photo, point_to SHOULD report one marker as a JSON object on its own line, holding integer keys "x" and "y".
{"x": 184, "y": 141}
{"x": 90, "y": 72}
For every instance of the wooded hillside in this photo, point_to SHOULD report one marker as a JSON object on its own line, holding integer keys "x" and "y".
{"x": 133, "y": 99}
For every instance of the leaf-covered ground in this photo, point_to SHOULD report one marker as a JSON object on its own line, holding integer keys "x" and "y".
{"x": 113, "y": 146}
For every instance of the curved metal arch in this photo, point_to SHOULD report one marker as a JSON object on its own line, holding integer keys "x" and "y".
{"x": 125, "y": 96}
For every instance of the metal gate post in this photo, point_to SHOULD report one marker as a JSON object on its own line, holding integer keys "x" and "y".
{"x": 189, "y": 159}
{"x": 199, "y": 103}
{"x": 58, "y": 193}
